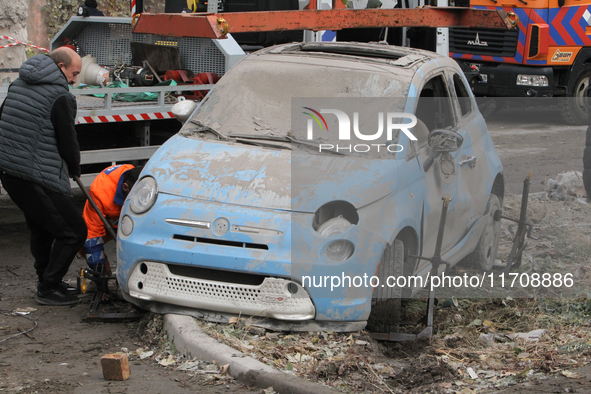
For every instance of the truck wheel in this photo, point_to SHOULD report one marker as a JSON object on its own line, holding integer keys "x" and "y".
{"x": 483, "y": 256}
{"x": 574, "y": 107}
{"x": 386, "y": 301}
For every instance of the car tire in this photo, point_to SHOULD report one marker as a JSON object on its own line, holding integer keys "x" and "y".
{"x": 573, "y": 108}
{"x": 483, "y": 256}
{"x": 386, "y": 301}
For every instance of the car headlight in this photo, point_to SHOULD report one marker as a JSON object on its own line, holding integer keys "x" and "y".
{"x": 333, "y": 226}
{"x": 126, "y": 225}
{"x": 143, "y": 195}
{"x": 339, "y": 250}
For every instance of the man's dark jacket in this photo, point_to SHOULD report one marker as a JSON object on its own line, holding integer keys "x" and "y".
{"x": 38, "y": 141}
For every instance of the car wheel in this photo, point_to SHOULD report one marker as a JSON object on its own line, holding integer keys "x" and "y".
{"x": 386, "y": 301}
{"x": 483, "y": 257}
{"x": 574, "y": 107}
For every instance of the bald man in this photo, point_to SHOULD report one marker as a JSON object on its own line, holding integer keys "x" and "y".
{"x": 38, "y": 153}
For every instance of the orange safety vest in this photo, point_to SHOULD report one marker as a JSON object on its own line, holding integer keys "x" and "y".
{"x": 102, "y": 191}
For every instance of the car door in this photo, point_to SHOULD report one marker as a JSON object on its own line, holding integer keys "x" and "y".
{"x": 472, "y": 162}
{"x": 436, "y": 110}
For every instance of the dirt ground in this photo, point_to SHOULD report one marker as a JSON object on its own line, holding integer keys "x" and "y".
{"x": 534, "y": 138}
{"x": 62, "y": 353}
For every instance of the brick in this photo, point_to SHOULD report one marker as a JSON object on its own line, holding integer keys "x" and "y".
{"x": 115, "y": 366}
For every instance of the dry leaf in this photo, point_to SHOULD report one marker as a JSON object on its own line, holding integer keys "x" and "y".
{"x": 233, "y": 320}
{"x": 167, "y": 361}
{"x": 572, "y": 375}
{"x": 224, "y": 369}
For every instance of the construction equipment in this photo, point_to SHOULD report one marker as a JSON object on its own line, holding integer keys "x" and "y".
{"x": 218, "y": 25}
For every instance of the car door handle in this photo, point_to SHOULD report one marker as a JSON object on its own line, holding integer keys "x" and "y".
{"x": 470, "y": 161}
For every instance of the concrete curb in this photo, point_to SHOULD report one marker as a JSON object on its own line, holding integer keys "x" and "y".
{"x": 189, "y": 338}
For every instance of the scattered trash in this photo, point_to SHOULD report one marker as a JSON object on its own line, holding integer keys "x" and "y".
{"x": 567, "y": 186}
{"x": 531, "y": 336}
{"x": 572, "y": 375}
{"x": 144, "y": 355}
{"x": 189, "y": 365}
{"x": 167, "y": 361}
{"x": 472, "y": 374}
{"x": 24, "y": 311}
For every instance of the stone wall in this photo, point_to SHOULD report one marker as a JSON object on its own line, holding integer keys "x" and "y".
{"x": 13, "y": 23}
{"x": 35, "y": 22}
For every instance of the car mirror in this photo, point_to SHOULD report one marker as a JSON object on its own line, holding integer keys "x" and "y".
{"x": 445, "y": 141}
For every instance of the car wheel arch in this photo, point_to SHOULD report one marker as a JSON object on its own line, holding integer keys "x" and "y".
{"x": 411, "y": 246}
{"x": 498, "y": 187}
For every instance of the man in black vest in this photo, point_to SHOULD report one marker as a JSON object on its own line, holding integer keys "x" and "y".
{"x": 38, "y": 153}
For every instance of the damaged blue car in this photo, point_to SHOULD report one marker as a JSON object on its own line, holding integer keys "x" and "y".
{"x": 279, "y": 200}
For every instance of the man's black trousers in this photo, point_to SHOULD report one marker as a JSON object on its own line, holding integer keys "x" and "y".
{"x": 58, "y": 230}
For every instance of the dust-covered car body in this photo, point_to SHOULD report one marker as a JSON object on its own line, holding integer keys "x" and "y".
{"x": 234, "y": 214}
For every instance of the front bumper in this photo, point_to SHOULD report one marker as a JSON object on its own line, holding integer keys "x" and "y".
{"x": 502, "y": 78}
{"x": 277, "y": 298}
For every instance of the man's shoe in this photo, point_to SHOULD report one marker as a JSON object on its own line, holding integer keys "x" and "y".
{"x": 65, "y": 286}
{"x": 55, "y": 297}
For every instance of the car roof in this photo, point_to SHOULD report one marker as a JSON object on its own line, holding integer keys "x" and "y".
{"x": 398, "y": 57}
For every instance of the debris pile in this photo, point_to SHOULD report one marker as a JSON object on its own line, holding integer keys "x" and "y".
{"x": 567, "y": 186}
{"x": 157, "y": 347}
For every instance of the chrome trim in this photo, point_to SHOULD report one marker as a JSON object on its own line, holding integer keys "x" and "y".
{"x": 254, "y": 230}
{"x": 189, "y": 223}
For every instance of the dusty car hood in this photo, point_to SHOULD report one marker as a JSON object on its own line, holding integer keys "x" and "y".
{"x": 246, "y": 175}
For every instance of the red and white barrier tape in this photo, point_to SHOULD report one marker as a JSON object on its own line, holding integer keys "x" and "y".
{"x": 124, "y": 118}
{"x": 19, "y": 43}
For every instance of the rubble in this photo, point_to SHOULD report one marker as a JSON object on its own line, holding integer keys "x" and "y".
{"x": 115, "y": 366}
{"x": 567, "y": 186}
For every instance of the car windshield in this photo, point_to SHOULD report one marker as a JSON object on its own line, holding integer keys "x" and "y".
{"x": 255, "y": 98}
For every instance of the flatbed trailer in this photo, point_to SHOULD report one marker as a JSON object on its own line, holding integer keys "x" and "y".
{"x": 109, "y": 39}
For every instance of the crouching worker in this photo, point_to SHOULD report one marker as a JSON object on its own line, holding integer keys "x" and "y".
{"x": 108, "y": 190}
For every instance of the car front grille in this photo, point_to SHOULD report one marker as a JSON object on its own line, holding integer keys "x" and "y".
{"x": 274, "y": 297}
{"x": 221, "y": 242}
{"x": 489, "y": 42}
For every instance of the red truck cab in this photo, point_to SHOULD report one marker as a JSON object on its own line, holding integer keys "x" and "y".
{"x": 548, "y": 55}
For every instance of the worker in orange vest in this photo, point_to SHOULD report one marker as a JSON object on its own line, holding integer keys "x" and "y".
{"x": 108, "y": 190}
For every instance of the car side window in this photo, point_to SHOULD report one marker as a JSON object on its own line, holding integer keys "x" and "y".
{"x": 463, "y": 95}
{"x": 434, "y": 109}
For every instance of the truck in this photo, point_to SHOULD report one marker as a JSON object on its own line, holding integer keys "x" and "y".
{"x": 112, "y": 131}
{"x": 549, "y": 55}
